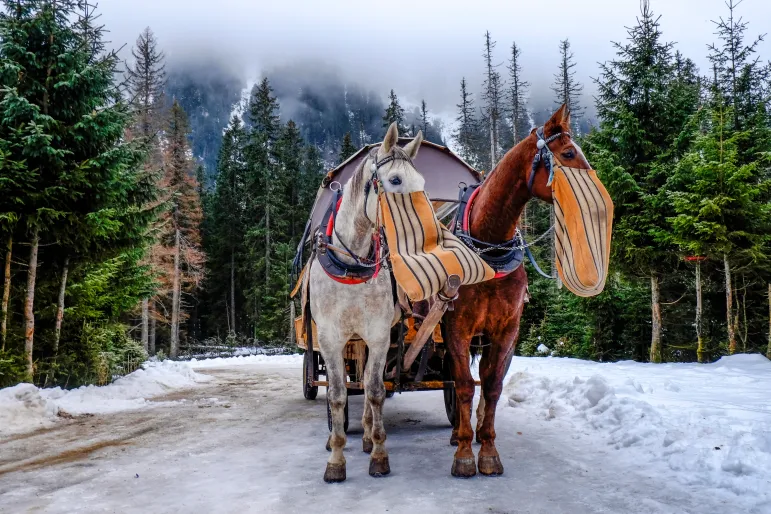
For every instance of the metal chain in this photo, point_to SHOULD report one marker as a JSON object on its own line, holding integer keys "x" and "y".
{"x": 469, "y": 241}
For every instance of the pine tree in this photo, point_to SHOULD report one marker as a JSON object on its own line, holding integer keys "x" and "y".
{"x": 394, "y": 113}
{"x": 181, "y": 236}
{"x": 347, "y": 149}
{"x": 740, "y": 74}
{"x": 721, "y": 207}
{"x": 64, "y": 124}
{"x": 423, "y": 119}
{"x": 262, "y": 179}
{"x": 518, "y": 89}
{"x": 567, "y": 89}
{"x": 467, "y": 127}
{"x": 639, "y": 118}
{"x": 226, "y": 242}
{"x": 492, "y": 92}
{"x": 146, "y": 81}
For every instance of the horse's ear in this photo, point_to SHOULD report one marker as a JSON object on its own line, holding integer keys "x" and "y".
{"x": 412, "y": 148}
{"x": 558, "y": 119}
{"x": 391, "y": 138}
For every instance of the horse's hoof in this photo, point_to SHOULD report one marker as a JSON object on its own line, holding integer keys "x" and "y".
{"x": 328, "y": 446}
{"x": 378, "y": 467}
{"x": 366, "y": 445}
{"x": 490, "y": 465}
{"x": 454, "y": 439}
{"x": 334, "y": 473}
{"x": 464, "y": 468}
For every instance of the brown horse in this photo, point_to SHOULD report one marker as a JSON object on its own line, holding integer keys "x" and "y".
{"x": 493, "y": 309}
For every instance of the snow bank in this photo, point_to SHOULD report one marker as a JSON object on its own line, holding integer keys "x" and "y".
{"x": 276, "y": 361}
{"x": 25, "y": 407}
{"x": 707, "y": 425}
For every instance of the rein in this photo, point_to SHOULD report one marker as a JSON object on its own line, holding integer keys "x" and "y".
{"x": 517, "y": 243}
{"x": 362, "y": 269}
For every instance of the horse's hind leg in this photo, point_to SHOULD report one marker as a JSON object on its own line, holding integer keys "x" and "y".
{"x": 336, "y": 396}
{"x": 366, "y": 422}
{"x": 374, "y": 390}
{"x": 492, "y": 370}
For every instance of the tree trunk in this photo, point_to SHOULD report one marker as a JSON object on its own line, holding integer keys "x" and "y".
{"x": 60, "y": 305}
{"x": 174, "y": 343}
{"x": 655, "y": 320}
{"x": 729, "y": 300}
{"x": 768, "y": 351}
{"x": 232, "y": 289}
{"x": 267, "y": 242}
{"x": 701, "y": 353}
{"x": 29, "y": 304}
{"x": 6, "y": 290}
{"x": 145, "y": 322}
{"x": 151, "y": 339}
{"x": 492, "y": 143}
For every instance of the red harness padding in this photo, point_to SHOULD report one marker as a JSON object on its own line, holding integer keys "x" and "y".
{"x": 336, "y": 269}
{"x": 501, "y": 269}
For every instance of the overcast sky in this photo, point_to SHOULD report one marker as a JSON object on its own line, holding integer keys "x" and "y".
{"x": 421, "y": 48}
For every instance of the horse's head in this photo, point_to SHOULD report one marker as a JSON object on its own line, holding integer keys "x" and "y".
{"x": 392, "y": 169}
{"x": 583, "y": 209}
{"x": 562, "y": 146}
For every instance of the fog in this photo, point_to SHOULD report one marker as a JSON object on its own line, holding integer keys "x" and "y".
{"x": 419, "y": 48}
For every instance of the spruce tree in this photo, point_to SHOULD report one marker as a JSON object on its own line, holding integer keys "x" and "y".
{"x": 639, "y": 118}
{"x": 517, "y": 97}
{"x": 228, "y": 222}
{"x": 146, "y": 80}
{"x": 347, "y": 149}
{"x": 423, "y": 119}
{"x": 567, "y": 89}
{"x": 467, "y": 127}
{"x": 262, "y": 204}
{"x": 181, "y": 236}
{"x": 394, "y": 113}
{"x": 492, "y": 91}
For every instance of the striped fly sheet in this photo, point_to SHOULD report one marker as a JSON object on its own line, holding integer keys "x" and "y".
{"x": 423, "y": 251}
{"x": 584, "y": 213}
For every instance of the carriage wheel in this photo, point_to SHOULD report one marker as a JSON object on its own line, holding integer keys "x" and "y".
{"x": 310, "y": 360}
{"x": 390, "y": 394}
{"x": 450, "y": 398}
{"x": 329, "y": 416}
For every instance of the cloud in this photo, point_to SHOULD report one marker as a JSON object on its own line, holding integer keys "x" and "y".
{"x": 419, "y": 48}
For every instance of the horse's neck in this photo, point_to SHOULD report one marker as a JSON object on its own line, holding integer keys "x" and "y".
{"x": 501, "y": 200}
{"x": 352, "y": 227}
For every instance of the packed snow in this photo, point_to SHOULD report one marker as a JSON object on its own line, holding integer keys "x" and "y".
{"x": 704, "y": 425}
{"x": 25, "y": 407}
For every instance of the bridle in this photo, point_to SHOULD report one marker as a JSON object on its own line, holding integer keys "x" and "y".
{"x": 374, "y": 182}
{"x": 545, "y": 155}
{"x": 380, "y": 254}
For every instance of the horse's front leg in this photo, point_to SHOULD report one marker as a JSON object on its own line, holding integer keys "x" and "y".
{"x": 336, "y": 396}
{"x": 492, "y": 370}
{"x": 375, "y": 393}
{"x": 463, "y": 464}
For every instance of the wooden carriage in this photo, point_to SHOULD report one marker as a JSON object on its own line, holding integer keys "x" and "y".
{"x": 445, "y": 173}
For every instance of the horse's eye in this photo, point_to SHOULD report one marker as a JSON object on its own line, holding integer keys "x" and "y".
{"x": 395, "y": 181}
{"x": 568, "y": 154}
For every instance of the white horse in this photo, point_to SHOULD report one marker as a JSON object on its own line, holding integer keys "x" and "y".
{"x": 367, "y": 310}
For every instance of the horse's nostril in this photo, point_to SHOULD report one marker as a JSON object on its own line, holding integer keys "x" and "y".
{"x": 396, "y": 181}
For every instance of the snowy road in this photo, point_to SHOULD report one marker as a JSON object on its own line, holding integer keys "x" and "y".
{"x": 248, "y": 442}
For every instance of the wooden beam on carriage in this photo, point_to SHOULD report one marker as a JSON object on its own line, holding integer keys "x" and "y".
{"x": 428, "y": 385}
{"x": 442, "y": 301}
